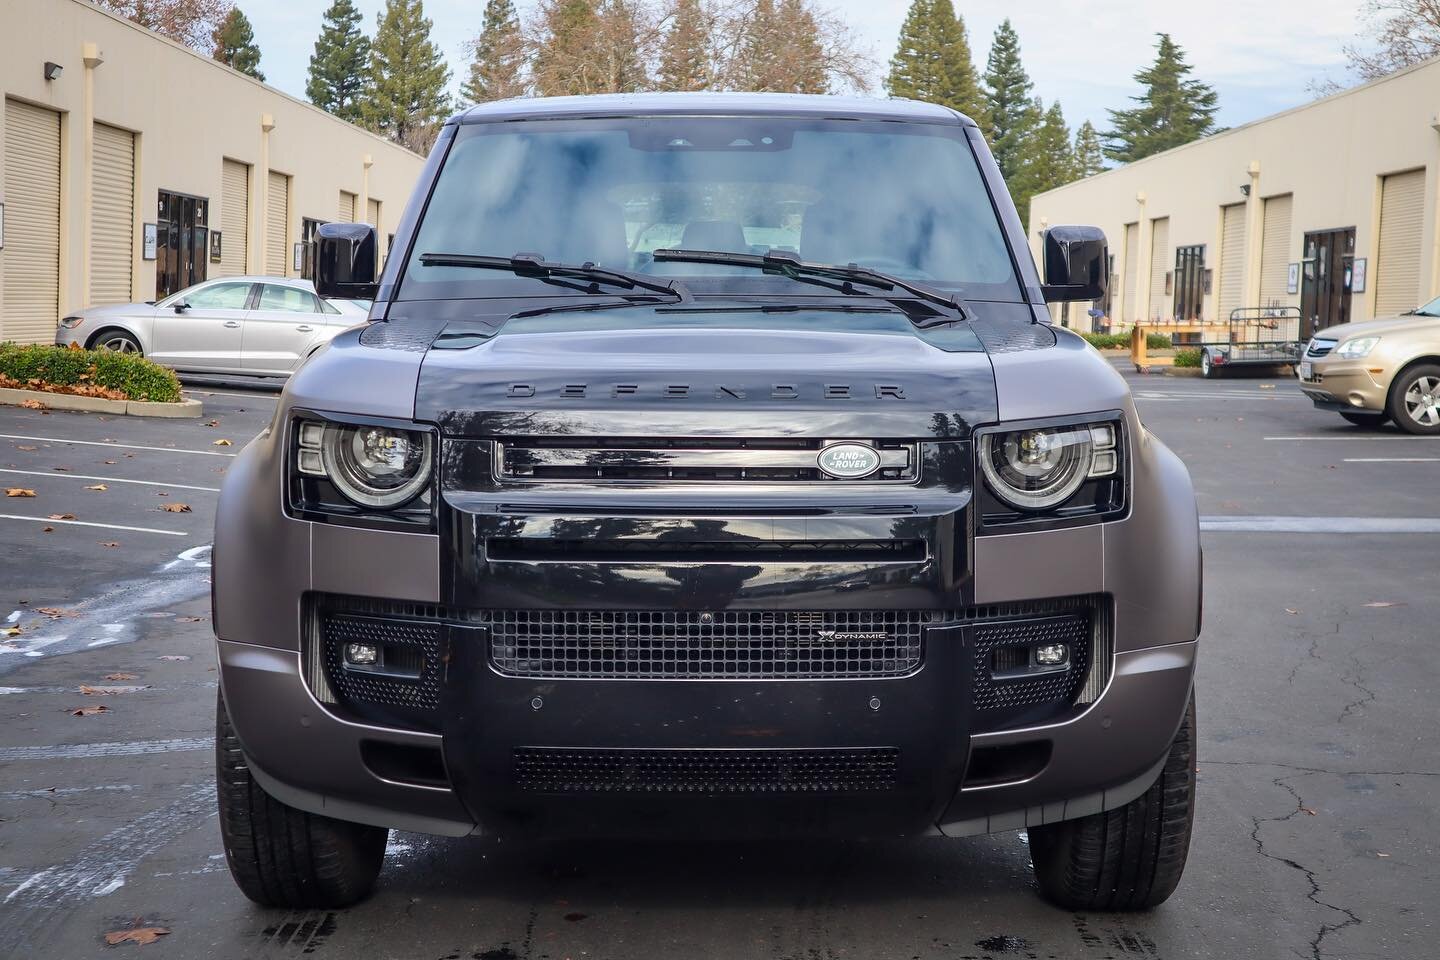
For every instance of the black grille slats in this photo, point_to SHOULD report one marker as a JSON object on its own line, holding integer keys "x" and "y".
{"x": 687, "y": 645}
{"x": 780, "y": 460}
{"x": 705, "y": 771}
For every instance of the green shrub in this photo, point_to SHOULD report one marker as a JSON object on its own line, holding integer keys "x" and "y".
{"x": 1158, "y": 341}
{"x": 1108, "y": 341}
{"x": 1189, "y": 357}
{"x": 95, "y": 372}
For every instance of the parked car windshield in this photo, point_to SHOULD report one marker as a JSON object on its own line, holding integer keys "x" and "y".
{"x": 904, "y": 198}
{"x": 1431, "y": 309}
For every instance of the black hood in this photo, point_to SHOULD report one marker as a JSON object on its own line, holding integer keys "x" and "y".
{"x": 711, "y": 371}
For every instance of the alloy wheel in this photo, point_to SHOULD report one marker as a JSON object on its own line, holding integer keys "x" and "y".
{"x": 119, "y": 345}
{"x": 1422, "y": 401}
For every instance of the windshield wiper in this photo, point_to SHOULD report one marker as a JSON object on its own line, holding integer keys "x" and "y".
{"x": 534, "y": 265}
{"x": 790, "y": 265}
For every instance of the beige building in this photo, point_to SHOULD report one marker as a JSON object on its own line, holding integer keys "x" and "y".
{"x": 132, "y": 167}
{"x": 1330, "y": 208}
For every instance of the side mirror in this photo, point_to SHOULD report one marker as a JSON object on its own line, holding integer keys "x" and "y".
{"x": 1076, "y": 266}
{"x": 345, "y": 261}
{"x": 181, "y": 306}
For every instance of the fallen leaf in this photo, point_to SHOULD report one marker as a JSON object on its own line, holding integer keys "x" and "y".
{"x": 222, "y": 442}
{"x": 1381, "y": 603}
{"x": 98, "y": 486}
{"x": 54, "y": 612}
{"x": 176, "y": 507}
{"x": 18, "y": 492}
{"x": 1310, "y": 812}
{"x": 188, "y": 619}
{"x": 62, "y": 516}
{"x": 89, "y": 711}
{"x": 120, "y": 676}
{"x": 1292, "y": 612}
{"x": 212, "y": 423}
{"x": 90, "y": 691}
{"x": 109, "y": 543}
{"x": 32, "y": 404}
{"x": 136, "y": 934}
{"x": 162, "y": 493}
{"x": 11, "y": 631}
{"x": 111, "y": 462}
{"x": 26, "y": 446}
{"x": 1267, "y": 386}
{"x": 47, "y": 529}
{"x": 61, "y": 469}
{"x": 1382, "y": 854}
{"x": 172, "y": 656}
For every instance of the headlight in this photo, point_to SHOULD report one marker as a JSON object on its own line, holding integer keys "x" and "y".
{"x": 1357, "y": 348}
{"x": 70, "y": 323}
{"x": 373, "y": 466}
{"x": 1041, "y": 467}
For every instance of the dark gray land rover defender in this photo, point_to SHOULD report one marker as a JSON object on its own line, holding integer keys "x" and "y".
{"x": 708, "y": 462}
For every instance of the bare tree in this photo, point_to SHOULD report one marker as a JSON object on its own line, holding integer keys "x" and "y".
{"x": 1402, "y": 33}
{"x": 191, "y": 22}
{"x": 789, "y": 46}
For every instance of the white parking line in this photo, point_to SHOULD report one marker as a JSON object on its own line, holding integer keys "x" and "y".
{"x": 103, "y": 526}
{"x": 1358, "y": 436}
{"x": 257, "y": 395}
{"x": 1237, "y": 524}
{"x": 82, "y": 476}
{"x": 112, "y": 443}
{"x": 1392, "y": 459}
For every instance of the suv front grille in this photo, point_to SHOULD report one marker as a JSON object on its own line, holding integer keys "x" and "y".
{"x": 688, "y": 645}
{"x": 562, "y": 459}
{"x": 709, "y": 771}
{"x": 1319, "y": 348}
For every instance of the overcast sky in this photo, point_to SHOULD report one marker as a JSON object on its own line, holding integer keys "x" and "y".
{"x": 1259, "y": 55}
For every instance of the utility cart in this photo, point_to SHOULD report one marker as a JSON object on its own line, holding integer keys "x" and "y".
{"x": 1254, "y": 336}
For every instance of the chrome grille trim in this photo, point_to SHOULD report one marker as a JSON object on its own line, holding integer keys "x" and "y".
{"x": 780, "y": 460}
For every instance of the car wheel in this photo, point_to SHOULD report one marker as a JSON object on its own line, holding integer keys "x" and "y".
{"x": 1130, "y": 858}
{"x": 117, "y": 340}
{"x": 1207, "y": 368}
{"x": 1415, "y": 400}
{"x": 1364, "y": 419}
{"x": 283, "y": 857}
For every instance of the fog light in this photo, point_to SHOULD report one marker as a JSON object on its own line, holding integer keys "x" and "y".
{"x": 362, "y": 654}
{"x": 1052, "y": 655}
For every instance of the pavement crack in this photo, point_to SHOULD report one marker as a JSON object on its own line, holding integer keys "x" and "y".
{"x": 1354, "y": 675}
{"x": 1347, "y": 917}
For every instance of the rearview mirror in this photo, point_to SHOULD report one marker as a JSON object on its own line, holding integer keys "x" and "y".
{"x": 345, "y": 261}
{"x": 1075, "y": 264}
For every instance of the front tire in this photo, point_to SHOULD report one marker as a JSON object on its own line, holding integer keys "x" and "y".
{"x": 1130, "y": 858}
{"x": 283, "y": 857}
{"x": 1415, "y": 400}
{"x": 117, "y": 341}
{"x": 1208, "y": 370}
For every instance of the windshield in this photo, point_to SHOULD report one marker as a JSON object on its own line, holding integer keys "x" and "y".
{"x": 1431, "y": 309}
{"x": 904, "y": 198}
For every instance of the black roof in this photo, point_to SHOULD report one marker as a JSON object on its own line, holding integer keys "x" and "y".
{"x": 710, "y": 104}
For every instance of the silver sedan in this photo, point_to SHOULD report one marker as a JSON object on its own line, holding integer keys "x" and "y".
{"x": 255, "y": 326}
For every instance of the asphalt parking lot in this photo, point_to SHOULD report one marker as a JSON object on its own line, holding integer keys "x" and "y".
{"x": 1319, "y": 760}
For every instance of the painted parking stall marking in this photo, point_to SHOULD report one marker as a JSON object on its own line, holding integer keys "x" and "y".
{"x": 116, "y": 445}
{"x": 81, "y": 476}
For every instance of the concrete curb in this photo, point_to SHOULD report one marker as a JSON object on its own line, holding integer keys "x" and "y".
{"x": 132, "y": 408}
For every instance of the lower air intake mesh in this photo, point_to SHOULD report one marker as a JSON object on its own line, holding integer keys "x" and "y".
{"x": 704, "y": 771}
{"x": 1007, "y": 643}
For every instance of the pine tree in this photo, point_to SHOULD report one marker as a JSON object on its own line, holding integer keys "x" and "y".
{"x": 1172, "y": 111}
{"x": 496, "y": 72}
{"x": 685, "y": 63}
{"x": 235, "y": 44}
{"x": 803, "y": 50}
{"x": 1052, "y": 161}
{"x": 407, "y": 77}
{"x": 622, "y": 41}
{"x": 933, "y": 60}
{"x": 565, "y": 52}
{"x": 1089, "y": 158}
{"x": 1011, "y": 114}
{"x": 339, "y": 64}
{"x": 191, "y": 22}
{"x": 781, "y": 50}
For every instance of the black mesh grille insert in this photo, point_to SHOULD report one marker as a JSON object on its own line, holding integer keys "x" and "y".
{"x": 415, "y": 646}
{"x": 1005, "y": 644}
{"x": 599, "y": 770}
{"x": 643, "y": 644}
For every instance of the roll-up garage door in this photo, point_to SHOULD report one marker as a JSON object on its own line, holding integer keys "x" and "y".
{"x": 1132, "y": 273}
{"x": 1397, "y": 271}
{"x": 31, "y": 258}
{"x": 372, "y": 212}
{"x": 1159, "y": 260}
{"x": 1232, "y": 259}
{"x": 234, "y": 218}
{"x": 1275, "y": 251}
{"x": 346, "y": 211}
{"x": 277, "y": 219}
{"x": 112, "y": 217}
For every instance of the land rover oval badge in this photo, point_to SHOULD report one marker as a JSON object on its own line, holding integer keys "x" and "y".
{"x": 848, "y": 461}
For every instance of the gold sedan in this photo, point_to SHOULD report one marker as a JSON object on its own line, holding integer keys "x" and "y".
{"x": 1386, "y": 369}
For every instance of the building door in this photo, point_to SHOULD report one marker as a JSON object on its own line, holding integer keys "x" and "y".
{"x": 112, "y": 216}
{"x": 234, "y": 218}
{"x": 1189, "y": 283}
{"x": 277, "y": 224}
{"x": 1325, "y": 279}
{"x": 1402, "y": 221}
{"x": 30, "y": 256}
{"x": 183, "y": 243}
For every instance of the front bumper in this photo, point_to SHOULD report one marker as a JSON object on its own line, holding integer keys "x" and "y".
{"x": 1345, "y": 385}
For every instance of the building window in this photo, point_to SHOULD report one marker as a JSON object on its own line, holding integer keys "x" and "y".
{"x": 1190, "y": 283}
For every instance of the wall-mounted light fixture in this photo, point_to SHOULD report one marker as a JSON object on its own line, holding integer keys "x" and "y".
{"x": 1244, "y": 189}
{"x": 53, "y": 70}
